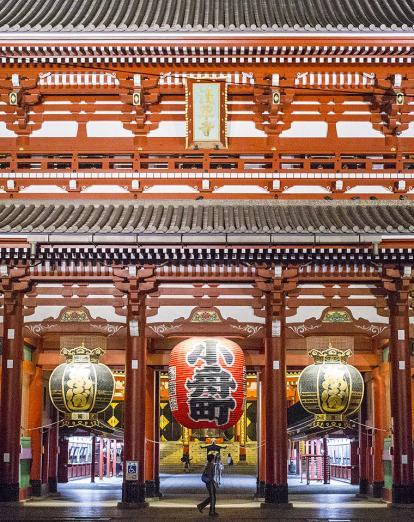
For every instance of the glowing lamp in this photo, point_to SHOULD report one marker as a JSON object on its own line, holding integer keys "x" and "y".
{"x": 331, "y": 389}
{"x": 82, "y": 387}
{"x": 207, "y": 383}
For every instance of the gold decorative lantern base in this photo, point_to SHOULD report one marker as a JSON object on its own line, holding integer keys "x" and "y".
{"x": 330, "y": 421}
{"x": 72, "y": 420}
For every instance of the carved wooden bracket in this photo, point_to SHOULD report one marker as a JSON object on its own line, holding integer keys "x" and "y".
{"x": 278, "y": 285}
{"x": 204, "y": 321}
{"x": 10, "y": 285}
{"x": 390, "y": 111}
{"x": 398, "y": 286}
{"x": 20, "y": 94}
{"x": 338, "y": 322}
{"x": 136, "y": 105}
{"x": 70, "y": 319}
{"x": 137, "y": 283}
{"x": 273, "y": 107}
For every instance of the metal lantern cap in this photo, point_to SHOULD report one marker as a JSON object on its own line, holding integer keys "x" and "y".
{"x": 82, "y": 354}
{"x": 330, "y": 355}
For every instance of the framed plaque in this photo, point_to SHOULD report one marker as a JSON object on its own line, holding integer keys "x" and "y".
{"x": 131, "y": 472}
{"x": 206, "y": 113}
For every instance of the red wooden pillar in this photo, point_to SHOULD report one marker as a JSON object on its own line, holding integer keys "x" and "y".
{"x": 11, "y": 397}
{"x": 363, "y": 450}
{"x": 101, "y": 458}
{"x": 108, "y": 458}
{"x": 276, "y": 489}
{"x": 133, "y": 490}
{"x": 297, "y": 456}
{"x": 402, "y": 472}
{"x": 53, "y": 454}
{"x": 157, "y": 491}
{"x": 149, "y": 431}
{"x": 326, "y": 470}
{"x": 114, "y": 458}
{"x": 45, "y": 456}
{"x": 380, "y": 432}
{"x": 93, "y": 460}
{"x": 354, "y": 462}
{"x": 63, "y": 459}
{"x": 35, "y": 420}
{"x": 261, "y": 439}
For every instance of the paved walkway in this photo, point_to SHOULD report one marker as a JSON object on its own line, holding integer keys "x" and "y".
{"x": 80, "y": 500}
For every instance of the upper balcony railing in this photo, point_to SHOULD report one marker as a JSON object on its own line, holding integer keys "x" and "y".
{"x": 203, "y": 162}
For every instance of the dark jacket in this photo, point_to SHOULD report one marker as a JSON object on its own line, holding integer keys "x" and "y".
{"x": 209, "y": 470}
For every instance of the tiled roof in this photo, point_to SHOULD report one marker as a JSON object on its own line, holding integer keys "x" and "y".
{"x": 205, "y": 15}
{"x": 207, "y": 218}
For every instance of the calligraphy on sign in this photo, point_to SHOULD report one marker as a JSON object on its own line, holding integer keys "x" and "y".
{"x": 207, "y": 383}
{"x": 206, "y": 113}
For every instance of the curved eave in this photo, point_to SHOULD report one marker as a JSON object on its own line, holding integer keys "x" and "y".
{"x": 90, "y": 37}
{"x": 219, "y": 240}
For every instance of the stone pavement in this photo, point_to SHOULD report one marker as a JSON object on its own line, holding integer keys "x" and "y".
{"x": 80, "y": 500}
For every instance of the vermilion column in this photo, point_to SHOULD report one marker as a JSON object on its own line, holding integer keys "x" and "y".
{"x": 11, "y": 398}
{"x": 133, "y": 491}
{"x": 402, "y": 472}
{"x": 93, "y": 459}
{"x": 157, "y": 491}
{"x": 363, "y": 450}
{"x": 261, "y": 440}
{"x": 53, "y": 454}
{"x": 326, "y": 470}
{"x": 101, "y": 459}
{"x": 276, "y": 489}
{"x": 35, "y": 421}
{"x": 297, "y": 454}
{"x": 45, "y": 456}
{"x": 63, "y": 459}
{"x": 149, "y": 430}
{"x": 114, "y": 458}
{"x": 354, "y": 462}
{"x": 380, "y": 431}
{"x": 108, "y": 458}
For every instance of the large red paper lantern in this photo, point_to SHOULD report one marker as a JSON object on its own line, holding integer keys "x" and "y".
{"x": 207, "y": 382}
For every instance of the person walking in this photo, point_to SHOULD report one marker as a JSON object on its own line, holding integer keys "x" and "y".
{"x": 186, "y": 460}
{"x": 208, "y": 477}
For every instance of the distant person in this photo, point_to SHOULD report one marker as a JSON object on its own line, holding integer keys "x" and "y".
{"x": 186, "y": 461}
{"x": 219, "y": 469}
{"x": 104, "y": 464}
{"x": 118, "y": 464}
{"x": 229, "y": 460}
{"x": 208, "y": 477}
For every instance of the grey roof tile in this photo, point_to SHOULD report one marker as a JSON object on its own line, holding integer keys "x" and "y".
{"x": 208, "y": 218}
{"x": 205, "y": 15}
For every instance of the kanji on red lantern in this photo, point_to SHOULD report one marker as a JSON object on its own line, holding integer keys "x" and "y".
{"x": 206, "y": 383}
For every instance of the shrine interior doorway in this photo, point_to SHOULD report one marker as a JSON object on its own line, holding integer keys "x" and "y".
{"x": 183, "y": 451}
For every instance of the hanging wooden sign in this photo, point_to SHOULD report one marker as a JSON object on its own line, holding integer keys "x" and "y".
{"x": 206, "y": 113}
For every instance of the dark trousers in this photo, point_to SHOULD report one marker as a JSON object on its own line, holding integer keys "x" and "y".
{"x": 211, "y": 499}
